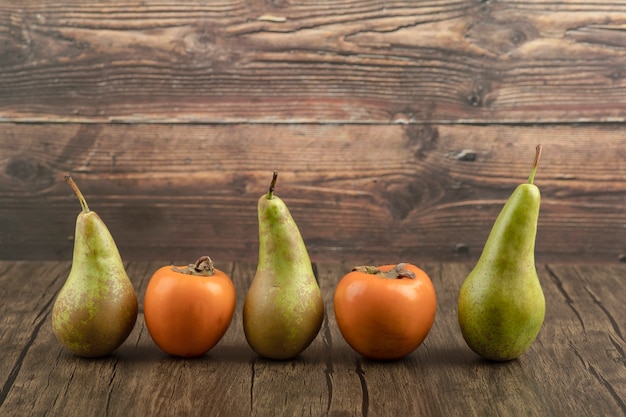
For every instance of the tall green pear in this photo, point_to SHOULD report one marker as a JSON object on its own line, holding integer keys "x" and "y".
{"x": 283, "y": 309}
{"x": 501, "y": 306}
{"x": 96, "y": 308}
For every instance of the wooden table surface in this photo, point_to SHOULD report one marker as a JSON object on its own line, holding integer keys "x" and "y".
{"x": 576, "y": 367}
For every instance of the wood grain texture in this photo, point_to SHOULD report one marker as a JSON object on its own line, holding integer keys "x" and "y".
{"x": 576, "y": 366}
{"x": 398, "y": 128}
{"x": 358, "y": 193}
{"x": 299, "y": 61}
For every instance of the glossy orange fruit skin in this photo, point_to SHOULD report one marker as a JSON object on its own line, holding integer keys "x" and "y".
{"x": 385, "y": 318}
{"x": 187, "y": 315}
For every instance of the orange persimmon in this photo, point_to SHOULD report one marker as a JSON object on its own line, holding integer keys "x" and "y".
{"x": 188, "y": 309}
{"x": 385, "y": 312}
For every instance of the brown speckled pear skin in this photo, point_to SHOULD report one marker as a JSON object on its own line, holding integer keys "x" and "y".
{"x": 501, "y": 305}
{"x": 283, "y": 309}
{"x": 96, "y": 309}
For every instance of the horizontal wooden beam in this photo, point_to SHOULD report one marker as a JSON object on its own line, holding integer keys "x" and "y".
{"x": 358, "y": 193}
{"x": 327, "y": 62}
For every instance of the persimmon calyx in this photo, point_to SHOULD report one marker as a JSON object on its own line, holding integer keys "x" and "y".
{"x": 202, "y": 267}
{"x": 397, "y": 272}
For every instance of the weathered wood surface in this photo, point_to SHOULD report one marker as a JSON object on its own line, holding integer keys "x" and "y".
{"x": 399, "y": 128}
{"x": 358, "y": 193}
{"x": 576, "y": 367}
{"x": 301, "y": 61}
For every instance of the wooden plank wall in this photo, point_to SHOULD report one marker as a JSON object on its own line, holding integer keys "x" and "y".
{"x": 398, "y": 128}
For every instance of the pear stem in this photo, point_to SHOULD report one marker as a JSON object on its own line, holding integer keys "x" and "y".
{"x": 270, "y": 193}
{"x": 81, "y": 198}
{"x": 531, "y": 177}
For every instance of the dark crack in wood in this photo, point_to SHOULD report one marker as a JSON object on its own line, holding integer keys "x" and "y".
{"x": 568, "y": 300}
{"x": 365, "y": 403}
{"x": 20, "y": 360}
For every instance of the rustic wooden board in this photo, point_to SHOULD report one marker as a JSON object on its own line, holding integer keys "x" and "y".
{"x": 26, "y": 301}
{"x": 398, "y": 128}
{"x": 300, "y": 61}
{"x": 576, "y": 366}
{"x": 358, "y": 193}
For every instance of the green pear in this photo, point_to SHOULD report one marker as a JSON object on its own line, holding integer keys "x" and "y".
{"x": 501, "y": 306}
{"x": 283, "y": 309}
{"x": 96, "y": 309}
